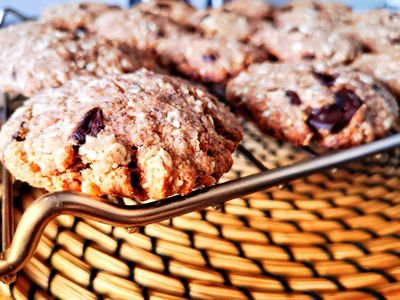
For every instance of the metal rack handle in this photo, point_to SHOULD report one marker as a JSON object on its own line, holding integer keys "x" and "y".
{"x": 47, "y": 207}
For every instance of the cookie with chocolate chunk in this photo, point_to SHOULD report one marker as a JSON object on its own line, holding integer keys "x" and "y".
{"x": 206, "y": 59}
{"x": 176, "y": 10}
{"x": 140, "y": 135}
{"x": 384, "y": 67}
{"x": 254, "y": 9}
{"x": 303, "y": 105}
{"x": 73, "y": 16}
{"x": 35, "y": 56}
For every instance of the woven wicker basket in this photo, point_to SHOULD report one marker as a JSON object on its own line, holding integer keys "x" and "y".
{"x": 332, "y": 235}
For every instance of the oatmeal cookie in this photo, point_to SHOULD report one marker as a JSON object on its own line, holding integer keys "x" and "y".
{"x": 304, "y": 44}
{"x": 384, "y": 67}
{"x": 143, "y": 29}
{"x": 310, "y": 11}
{"x": 73, "y": 16}
{"x": 303, "y": 105}
{"x": 254, "y": 9}
{"x": 378, "y": 30}
{"x": 140, "y": 135}
{"x": 35, "y": 56}
{"x": 309, "y": 31}
{"x": 205, "y": 59}
{"x": 220, "y": 23}
{"x": 176, "y": 10}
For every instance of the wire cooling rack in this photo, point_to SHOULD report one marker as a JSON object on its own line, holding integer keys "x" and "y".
{"x": 19, "y": 248}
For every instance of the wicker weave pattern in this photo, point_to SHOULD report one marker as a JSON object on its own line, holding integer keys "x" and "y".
{"x": 333, "y": 235}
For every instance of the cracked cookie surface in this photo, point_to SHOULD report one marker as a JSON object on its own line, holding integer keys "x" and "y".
{"x": 329, "y": 107}
{"x": 141, "y": 135}
{"x": 35, "y": 56}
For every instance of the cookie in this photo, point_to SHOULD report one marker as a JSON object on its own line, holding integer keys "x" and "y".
{"x": 142, "y": 29}
{"x": 210, "y": 60}
{"x": 176, "y": 10}
{"x": 305, "y": 44}
{"x": 140, "y": 135}
{"x": 220, "y": 23}
{"x": 73, "y": 16}
{"x": 36, "y": 56}
{"x": 308, "y": 31}
{"x": 378, "y": 30}
{"x": 318, "y": 13}
{"x": 254, "y": 9}
{"x": 384, "y": 67}
{"x": 327, "y": 107}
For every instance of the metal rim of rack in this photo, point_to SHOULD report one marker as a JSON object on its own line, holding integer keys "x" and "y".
{"x": 19, "y": 248}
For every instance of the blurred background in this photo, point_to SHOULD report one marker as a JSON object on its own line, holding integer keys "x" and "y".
{"x": 33, "y": 8}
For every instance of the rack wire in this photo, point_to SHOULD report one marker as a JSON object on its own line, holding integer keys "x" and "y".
{"x": 19, "y": 248}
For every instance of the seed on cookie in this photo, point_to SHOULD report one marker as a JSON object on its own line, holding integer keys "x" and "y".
{"x": 140, "y": 135}
{"x": 334, "y": 108}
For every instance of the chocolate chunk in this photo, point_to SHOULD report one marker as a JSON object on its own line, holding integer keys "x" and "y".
{"x": 366, "y": 49}
{"x": 19, "y": 136}
{"x": 348, "y": 101}
{"x": 336, "y": 116}
{"x": 163, "y": 6}
{"x": 210, "y": 57}
{"x": 376, "y": 87}
{"x": 317, "y": 7}
{"x": 272, "y": 57}
{"x": 395, "y": 40}
{"x": 160, "y": 33}
{"x": 91, "y": 125}
{"x": 325, "y": 78}
{"x": 294, "y": 97}
{"x": 81, "y": 30}
{"x": 309, "y": 56}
